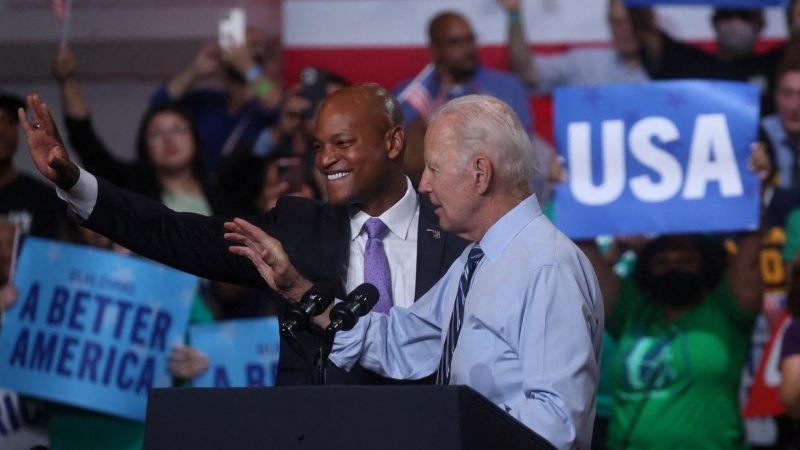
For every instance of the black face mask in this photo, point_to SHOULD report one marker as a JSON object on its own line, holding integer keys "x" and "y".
{"x": 676, "y": 289}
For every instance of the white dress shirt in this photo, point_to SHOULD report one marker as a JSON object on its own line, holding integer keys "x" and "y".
{"x": 400, "y": 244}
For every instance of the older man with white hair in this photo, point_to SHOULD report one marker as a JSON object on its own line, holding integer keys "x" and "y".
{"x": 519, "y": 316}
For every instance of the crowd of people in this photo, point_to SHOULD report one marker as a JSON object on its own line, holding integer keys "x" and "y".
{"x": 313, "y": 166}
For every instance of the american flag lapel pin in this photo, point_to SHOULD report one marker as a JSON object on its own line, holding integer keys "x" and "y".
{"x": 435, "y": 233}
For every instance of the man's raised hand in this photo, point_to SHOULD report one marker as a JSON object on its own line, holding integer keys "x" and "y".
{"x": 45, "y": 145}
{"x": 267, "y": 254}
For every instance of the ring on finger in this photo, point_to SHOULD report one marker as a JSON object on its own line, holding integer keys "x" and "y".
{"x": 36, "y": 126}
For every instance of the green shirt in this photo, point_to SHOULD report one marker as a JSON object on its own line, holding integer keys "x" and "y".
{"x": 675, "y": 383}
{"x": 183, "y": 202}
{"x": 792, "y": 235}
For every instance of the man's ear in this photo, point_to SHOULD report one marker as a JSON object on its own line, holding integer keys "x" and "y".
{"x": 484, "y": 171}
{"x": 395, "y": 140}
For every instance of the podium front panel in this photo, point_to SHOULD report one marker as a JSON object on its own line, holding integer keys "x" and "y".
{"x": 330, "y": 418}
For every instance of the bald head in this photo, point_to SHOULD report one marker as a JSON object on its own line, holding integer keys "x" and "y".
{"x": 372, "y": 100}
{"x": 452, "y": 45}
{"x": 359, "y": 142}
{"x": 439, "y": 25}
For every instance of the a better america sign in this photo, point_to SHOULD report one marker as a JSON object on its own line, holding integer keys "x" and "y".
{"x": 664, "y": 157}
{"x": 242, "y": 353}
{"x": 92, "y": 328}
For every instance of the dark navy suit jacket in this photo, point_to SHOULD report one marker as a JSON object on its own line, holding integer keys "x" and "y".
{"x": 315, "y": 236}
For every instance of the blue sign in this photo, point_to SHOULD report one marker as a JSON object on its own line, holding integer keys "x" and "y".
{"x": 241, "y": 353}
{"x": 92, "y": 328}
{"x": 744, "y": 4}
{"x": 660, "y": 157}
{"x": 22, "y": 422}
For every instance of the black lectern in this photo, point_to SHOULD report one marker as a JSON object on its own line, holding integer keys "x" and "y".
{"x": 331, "y": 418}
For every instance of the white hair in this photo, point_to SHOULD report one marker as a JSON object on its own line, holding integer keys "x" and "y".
{"x": 488, "y": 125}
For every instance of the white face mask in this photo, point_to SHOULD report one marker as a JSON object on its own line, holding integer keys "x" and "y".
{"x": 736, "y": 36}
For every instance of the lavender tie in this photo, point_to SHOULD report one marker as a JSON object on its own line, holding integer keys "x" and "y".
{"x": 376, "y": 264}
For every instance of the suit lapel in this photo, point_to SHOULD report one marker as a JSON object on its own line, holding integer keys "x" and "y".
{"x": 430, "y": 248}
{"x": 334, "y": 245}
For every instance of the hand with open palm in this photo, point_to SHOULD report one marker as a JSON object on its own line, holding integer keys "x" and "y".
{"x": 46, "y": 146}
{"x": 267, "y": 254}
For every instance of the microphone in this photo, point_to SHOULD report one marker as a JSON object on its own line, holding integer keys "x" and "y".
{"x": 299, "y": 316}
{"x": 345, "y": 314}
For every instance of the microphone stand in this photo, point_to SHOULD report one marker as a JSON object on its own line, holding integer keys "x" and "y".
{"x": 343, "y": 316}
{"x": 321, "y": 355}
{"x": 289, "y": 336}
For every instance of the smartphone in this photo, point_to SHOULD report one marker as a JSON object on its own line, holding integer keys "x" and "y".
{"x": 290, "y": 171}
{"x": 232, "y": 28}
{"x": 315, "y": 85}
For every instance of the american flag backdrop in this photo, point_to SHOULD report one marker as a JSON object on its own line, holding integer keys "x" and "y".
{"x": 385, "y": 41}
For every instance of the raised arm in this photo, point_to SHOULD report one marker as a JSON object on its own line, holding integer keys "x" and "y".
{"x": 81, "y": 134}
{"x": 206, "y": 63}
{"x": 188, "y": 242}
{"x": 262, "y": 82}
{"x": 649, "y": 35}
{"x": 65, "y": 72}
{"x": 522, "y": 61}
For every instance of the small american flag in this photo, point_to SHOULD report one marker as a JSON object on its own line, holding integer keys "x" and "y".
{"x": 419, "y": 95}
{"x": 59, "y": 9}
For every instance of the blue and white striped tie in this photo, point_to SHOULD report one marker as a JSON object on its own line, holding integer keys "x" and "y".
{"x": 475, "y": 255}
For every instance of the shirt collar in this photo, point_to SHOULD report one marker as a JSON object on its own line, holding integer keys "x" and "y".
{"x": 398, "y": 218}
{"x": 500, "y": 234}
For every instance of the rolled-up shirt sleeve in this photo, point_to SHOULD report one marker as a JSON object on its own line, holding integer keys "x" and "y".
{"x": 559, "y": 370}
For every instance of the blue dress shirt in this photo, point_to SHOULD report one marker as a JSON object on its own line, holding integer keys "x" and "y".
{"x": 531, "y": 336}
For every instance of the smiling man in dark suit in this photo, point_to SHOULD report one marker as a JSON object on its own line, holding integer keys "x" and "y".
{"x": 360, "y": 144}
